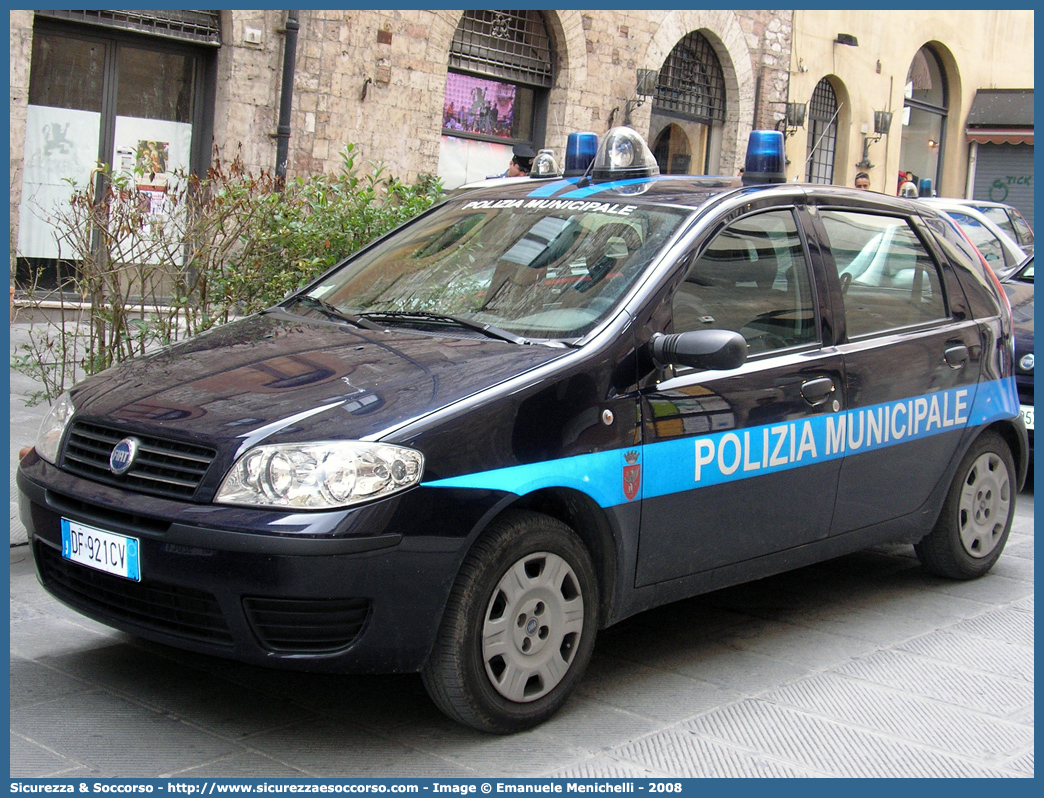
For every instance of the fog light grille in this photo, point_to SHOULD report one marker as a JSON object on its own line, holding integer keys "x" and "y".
{"x": 306, "y": 626}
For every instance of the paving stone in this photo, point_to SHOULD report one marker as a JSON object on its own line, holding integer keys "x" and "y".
{"x": 527, "y": 754}
{"x": 678, "y": 753}
{"x": 243, "y": 766}
{"x": 604, "y": 767}
{"x": 651, "y": 693}
{"x": 31, "y": 760}
{"x": 969, "y": 650}
{"x": 826, "y": 746}
{"x": 32, "y": 683}
{"x": 171, "y": 688}
{"x": 994, "y": 695}
{"x": 904, "y": 715}
{"x": 328, "y": 749}
{"x": 1013, "y": 624}
{"x": 116, "y": 737}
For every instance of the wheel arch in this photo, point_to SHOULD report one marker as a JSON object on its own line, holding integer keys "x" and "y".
{"x": 1015, "y": 437}
{"x": 586, "y": 518}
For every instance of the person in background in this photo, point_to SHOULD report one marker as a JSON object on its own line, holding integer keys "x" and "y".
{"x": 862, "y": 181}
{"x": 521, "y": 161}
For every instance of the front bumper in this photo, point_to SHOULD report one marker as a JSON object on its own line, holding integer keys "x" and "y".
{"x": 359, "y": 590}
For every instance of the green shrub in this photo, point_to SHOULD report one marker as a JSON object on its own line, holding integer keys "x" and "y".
{"x": 227, "y": 244}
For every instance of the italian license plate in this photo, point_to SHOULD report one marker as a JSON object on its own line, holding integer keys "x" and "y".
{"x": 1027, "y": 415}
{"x": 101, "y": 550}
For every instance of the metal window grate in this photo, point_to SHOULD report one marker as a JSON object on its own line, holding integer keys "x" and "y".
{"x": 822, "y": 134}
{"x": 513, "y": 45}
{"x": 691, "y": 81}
{"x": 202, "y": 27}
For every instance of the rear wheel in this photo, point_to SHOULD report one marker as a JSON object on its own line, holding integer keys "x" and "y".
{"x": 976, "y": 517}
{"x": 519, "y": 627}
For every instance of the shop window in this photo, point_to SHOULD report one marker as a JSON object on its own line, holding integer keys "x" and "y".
{"x": 500, "y": 72}
{"x": 822, "y": 134}
{"x": 924, "y": 120}
{"x": 101, "y": 96}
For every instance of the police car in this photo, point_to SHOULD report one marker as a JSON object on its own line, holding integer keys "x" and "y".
{"x": 536, "y": 410}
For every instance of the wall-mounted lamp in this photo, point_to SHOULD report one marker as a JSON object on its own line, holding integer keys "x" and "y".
{"x": 932, "y": 144}
{"x": 645, "y": 87}
{"x": 882, "y": 123}
{"x": 793, "y": 119}
{"x": 847, "y": 39}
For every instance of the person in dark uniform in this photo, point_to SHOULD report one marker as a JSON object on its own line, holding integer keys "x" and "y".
{"x": 521, "y": 161}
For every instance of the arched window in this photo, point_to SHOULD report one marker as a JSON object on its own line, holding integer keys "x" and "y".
{"x": 924, "y": 118}
{"x": 690, "y": 103}
{"x": 691, "y": 83}
{"x": 822, "y": 134}
{"x": 501, "y": 68}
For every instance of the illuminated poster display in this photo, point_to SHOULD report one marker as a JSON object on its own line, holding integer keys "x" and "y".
{"x": 478, "y": 105}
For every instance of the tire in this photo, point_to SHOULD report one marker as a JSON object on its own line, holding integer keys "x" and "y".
{"x": 519, "y": 627}
{"x": 977, "y": 514}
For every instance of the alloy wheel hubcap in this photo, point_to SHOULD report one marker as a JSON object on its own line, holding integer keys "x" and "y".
{"x": 984, "y": 505}
{"x": 532, "y": 627}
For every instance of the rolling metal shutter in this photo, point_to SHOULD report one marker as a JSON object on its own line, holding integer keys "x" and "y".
{"x": 1004, "y": 173}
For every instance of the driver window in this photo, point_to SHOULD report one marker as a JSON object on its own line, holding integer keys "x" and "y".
{"x": 752, "y": 278}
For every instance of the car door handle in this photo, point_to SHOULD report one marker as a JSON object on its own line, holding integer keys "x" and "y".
{"x": 956, "y": 356}
{"x": 817, "y": 391}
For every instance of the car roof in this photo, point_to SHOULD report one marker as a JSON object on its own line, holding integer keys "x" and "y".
{"x": 686, "y": 191}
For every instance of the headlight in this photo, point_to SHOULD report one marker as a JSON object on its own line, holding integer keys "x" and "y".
{"x": 319, "y": 476}
{"x": 53, "y": 427}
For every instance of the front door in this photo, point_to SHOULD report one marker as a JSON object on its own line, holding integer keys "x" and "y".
{"x": 735, "y": 463}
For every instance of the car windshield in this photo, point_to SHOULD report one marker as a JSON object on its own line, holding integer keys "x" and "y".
{"x": 544, "y": 269}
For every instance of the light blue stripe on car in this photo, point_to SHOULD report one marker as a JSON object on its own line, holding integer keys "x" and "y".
{"x": 687, "y": 463}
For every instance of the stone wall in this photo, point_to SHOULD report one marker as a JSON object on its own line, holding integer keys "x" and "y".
{"x": 377, "y": 78}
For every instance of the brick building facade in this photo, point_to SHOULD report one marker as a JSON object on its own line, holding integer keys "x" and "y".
{"x": 377, "y": 79}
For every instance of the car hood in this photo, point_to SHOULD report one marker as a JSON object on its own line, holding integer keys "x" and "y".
{"x": 281, "y": 375}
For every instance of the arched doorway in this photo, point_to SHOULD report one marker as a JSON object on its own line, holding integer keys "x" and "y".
{"x": 925, "y": 108}
{"x": 822, "y": 134}
{"x": 672, "y": 151}
{"x": 690, "y": 97}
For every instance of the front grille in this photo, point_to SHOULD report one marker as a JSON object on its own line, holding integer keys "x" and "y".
{"x": 162, "y": 467}
{"x": 180, "y": 611}
{"x": 306, "y": 626}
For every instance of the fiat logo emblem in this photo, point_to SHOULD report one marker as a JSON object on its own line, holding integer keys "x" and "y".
{"x": 123, "y": 454}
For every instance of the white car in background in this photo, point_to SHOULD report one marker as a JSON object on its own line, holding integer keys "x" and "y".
{"x": 1006, "y": 217}
{"x": 1001, "y": 250}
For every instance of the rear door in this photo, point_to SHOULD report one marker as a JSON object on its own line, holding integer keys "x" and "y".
{"x": 911, "y": 359}
{"x": 734, "y": 462}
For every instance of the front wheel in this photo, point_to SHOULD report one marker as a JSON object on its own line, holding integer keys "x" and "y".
{"x": 976, "y": 517}
{"x": 519, "y": 627}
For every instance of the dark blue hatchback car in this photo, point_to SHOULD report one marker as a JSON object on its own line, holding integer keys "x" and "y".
{"x": 534, "y": 411}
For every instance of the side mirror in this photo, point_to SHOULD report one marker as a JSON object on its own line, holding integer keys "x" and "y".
{"x": 702, "y": 349}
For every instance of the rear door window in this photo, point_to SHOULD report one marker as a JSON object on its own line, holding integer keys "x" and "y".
{"x": 888, "y": 278}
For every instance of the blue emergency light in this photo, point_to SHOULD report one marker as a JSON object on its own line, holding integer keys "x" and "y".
{"x": 766, "y": 160}
{"x": 580, "y": 152}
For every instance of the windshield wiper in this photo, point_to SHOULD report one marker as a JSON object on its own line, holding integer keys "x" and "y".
{"x": 444, "y": 318}
{"x": 332, "y": 312}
